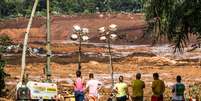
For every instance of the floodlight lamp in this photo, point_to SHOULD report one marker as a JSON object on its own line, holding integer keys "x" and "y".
{"x": 112, "y": 27}
{"x": 85, "y": 38}
{"x": 74, "y": 37}
{"x": 101, "y": 29}
{"x": 102, "y": 38}
{"x": 107, "y": 33}
{"x": 77, "y": 28}
{"x": 113, "y": 36}
{"x": 85, "y": 30}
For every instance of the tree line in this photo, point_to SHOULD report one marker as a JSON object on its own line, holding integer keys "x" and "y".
{"x": 15, "y": 8}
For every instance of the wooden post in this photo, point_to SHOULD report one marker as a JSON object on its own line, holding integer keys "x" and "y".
{"x": 23, "y": 64}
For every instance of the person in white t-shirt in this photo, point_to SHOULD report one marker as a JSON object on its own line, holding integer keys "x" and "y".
{"x": 93, "y": 86}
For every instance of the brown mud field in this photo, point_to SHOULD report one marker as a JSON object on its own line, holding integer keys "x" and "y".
{"x": 131, "y": 54}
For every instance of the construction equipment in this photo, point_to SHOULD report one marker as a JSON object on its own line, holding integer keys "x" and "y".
{"x": 29, "y": 90}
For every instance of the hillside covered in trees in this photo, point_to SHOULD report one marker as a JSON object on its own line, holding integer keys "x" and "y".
{"x": 13, "y": 8}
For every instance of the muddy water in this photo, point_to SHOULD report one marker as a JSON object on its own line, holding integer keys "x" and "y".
{"x": 120, "y": 52}
{"x": 72, "y": 57}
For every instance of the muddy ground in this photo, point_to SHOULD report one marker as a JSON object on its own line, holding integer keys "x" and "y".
{"x": 130, "y": 27}
{"x": 127, "y": 62}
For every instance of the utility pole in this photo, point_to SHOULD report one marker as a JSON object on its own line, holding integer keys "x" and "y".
{"x": 110, "y": 60}
{"x": 79, "y": 52}
{"x": 109, "y": 35}
{"x": 23, "y": 64}
{"x": 48, "y": 42}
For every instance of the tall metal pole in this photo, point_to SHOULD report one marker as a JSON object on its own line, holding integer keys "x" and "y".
{"x": 199, "y": 62}
{"x": 47, "y": 69}
{"x": 79, "y": 52}
{"x": 110, "y": 57}
{"x": 23, "y": 64}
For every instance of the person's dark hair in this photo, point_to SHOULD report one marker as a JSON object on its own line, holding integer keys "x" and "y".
{"x": 156, "y": 75}
{"x": 78, "y": 73}
{"x": 121, "y": 78}
{"x": 138, "y": 76}
{"x": 91, "y": 75}
{"x": 178, "y": 78}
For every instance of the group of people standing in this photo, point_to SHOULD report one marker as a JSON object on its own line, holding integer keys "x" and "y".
{"x": 120, "y": 89}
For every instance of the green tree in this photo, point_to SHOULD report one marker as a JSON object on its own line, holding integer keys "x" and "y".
{"x": 2, "y": 75}
{"x": 5, "y": 41}
{"x": 174, "y": 19}
{"x": 66, "y": 6}
{"x": 14, "y": 8}
{"x": 157, "y": 13}
{"x": 126, "y": 5}
{"x": 184, "y": 21}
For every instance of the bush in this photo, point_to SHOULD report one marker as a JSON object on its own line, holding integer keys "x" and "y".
{"x": 2, "y": 75}
{"x": 4, "y": 42}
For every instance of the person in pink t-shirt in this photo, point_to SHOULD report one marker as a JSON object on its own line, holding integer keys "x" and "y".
{"x": 79, "y": 87}
{"x": 93, "y": 86}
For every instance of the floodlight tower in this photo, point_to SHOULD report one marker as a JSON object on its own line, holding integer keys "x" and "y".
{"x": 80, "y": 34}
{"x": 108, "y": 35}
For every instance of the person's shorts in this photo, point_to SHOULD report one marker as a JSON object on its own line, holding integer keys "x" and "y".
{"x": 157, "y": 98}
{"x": 123, "y": 98}
{"x": 137, "y": 98}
